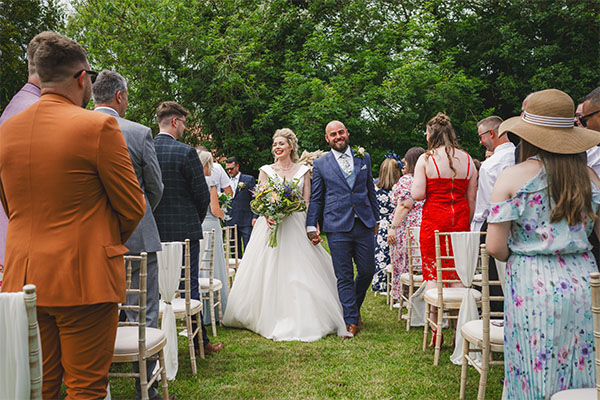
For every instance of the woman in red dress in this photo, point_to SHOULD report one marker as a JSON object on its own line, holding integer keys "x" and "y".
{"x": 446, "y": 178}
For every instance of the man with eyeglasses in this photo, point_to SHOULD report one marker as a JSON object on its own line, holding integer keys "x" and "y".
{"x": 73, "y": 199}
{"x": 240, "y": 213}
{"x": 185, "y": 198}
{"x": 502, "y": 157}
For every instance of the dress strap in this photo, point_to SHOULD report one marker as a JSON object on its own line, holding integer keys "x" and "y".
{"x": 436, "y": 167}
{"x": 468, "y": 165}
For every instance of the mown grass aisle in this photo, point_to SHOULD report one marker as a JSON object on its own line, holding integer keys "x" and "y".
{"x": 382, "y": 362}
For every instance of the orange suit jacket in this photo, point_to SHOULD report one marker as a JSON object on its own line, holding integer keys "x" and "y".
{"x": 72, "y": 198}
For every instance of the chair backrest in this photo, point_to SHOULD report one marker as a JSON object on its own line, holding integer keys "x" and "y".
{"x": 141, "y": 292}
{"x": 595, "y": 284}
{"x": 186, "y": 279}
{"x": 207, "y": 258}
{"x": 444, "y": 254}
{"x": 230, "y": 244}
{"x": 486, "y": 313}
{"x": 12, "y": 304}
{"x": 414, "y": 252}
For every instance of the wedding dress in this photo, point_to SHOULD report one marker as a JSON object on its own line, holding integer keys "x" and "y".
{"x": 286, "y": 292}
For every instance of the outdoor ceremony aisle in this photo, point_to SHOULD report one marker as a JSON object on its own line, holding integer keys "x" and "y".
{"x": 382, "y": 362}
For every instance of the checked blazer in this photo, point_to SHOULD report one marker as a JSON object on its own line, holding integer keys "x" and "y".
{"x": 185, "y": 199}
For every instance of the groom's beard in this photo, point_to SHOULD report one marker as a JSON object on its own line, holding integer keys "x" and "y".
{"x": 340, "y": 146}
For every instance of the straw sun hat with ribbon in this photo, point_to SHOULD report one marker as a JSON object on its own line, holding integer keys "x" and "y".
{"x": 547, "y": 123}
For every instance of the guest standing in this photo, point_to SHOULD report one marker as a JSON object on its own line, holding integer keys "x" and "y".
{"x": 111, "y": 97}
{"x": 73, "y": 199}
{"x": 240, "y": 213}
{"x": 445, "y": 177}
{"x": 406, "y": 215}
{"x": 213, "y": 219}
{"x": 184, "y": 204}
{"x": 542, "y": 213}
{"x": 389, "y": 173}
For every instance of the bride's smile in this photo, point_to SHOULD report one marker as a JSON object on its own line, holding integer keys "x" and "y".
{"x": 281, "y": 148}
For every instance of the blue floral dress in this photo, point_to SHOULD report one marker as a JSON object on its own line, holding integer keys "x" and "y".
{"x": 548, "y": 333}
{"x": 382, "y": 248}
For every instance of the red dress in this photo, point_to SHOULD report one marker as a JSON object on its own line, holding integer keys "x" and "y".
{"x": 446, "y": 210}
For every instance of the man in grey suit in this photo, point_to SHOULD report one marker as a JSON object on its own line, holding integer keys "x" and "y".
{"x": 111, "y": 97}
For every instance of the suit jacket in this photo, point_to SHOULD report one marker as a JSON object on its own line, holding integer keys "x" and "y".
{"x": 185, "y": 199}
{"x": 336, "y": 200}
{"x": 145, "y": 164}
{"x": 72, "y": 197}
{"x": 240, "y": 212}
{"x": 24, "y": 98}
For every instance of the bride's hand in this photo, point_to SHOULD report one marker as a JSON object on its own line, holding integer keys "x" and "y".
{"x": 270, "y": 222}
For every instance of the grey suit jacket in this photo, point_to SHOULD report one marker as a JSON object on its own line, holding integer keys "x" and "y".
{"x": 145, "y": 164}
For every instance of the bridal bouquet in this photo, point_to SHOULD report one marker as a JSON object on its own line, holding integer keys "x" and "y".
{"x": 276, "y": 200}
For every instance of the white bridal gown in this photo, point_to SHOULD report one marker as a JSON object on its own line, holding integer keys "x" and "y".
{"x": 286, "y": 292}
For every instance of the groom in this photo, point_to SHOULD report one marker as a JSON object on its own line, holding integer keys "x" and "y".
{"x": 343, "y": 192}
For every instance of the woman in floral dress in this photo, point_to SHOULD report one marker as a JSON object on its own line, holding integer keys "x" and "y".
{"x": 543, "y": 211}
{"x": 389, "y": 173}
{"x": 407, "y": 214}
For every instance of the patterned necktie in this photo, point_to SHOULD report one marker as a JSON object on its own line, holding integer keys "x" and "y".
{"x": 345, "y": 163}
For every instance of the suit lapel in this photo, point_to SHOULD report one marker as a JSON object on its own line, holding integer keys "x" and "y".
{"x": 358, "y": 163}
{"x": 333, "y": 165}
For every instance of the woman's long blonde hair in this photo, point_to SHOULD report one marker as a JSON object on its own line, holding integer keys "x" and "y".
{"x": 568, "y": 183}
{"x": 441, "y": 133}
{"x": 389, "y": 174}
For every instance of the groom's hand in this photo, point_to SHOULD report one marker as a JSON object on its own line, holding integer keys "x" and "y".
{"x": 314, "y": 237}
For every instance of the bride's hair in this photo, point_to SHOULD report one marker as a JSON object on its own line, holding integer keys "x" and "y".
{"x": 290, "y": 136}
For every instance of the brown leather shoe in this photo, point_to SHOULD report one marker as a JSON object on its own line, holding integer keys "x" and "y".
{"x": 352, "y": 328}
{"x": 213, "y": 348}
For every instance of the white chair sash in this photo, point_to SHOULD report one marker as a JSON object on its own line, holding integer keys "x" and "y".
{"x": 14, "y": 347}
{"x": 465, "y": 246}
{"x": 169, "y": 272}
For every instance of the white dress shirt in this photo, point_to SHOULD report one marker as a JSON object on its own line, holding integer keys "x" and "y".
{"x": 593, "y": 159}
{"x": 220, "y": 177}
{"x": 503, "y": 157}
{"x": 234, "y": 183}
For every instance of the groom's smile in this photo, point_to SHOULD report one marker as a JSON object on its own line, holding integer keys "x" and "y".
{"x": 337, "y": 136}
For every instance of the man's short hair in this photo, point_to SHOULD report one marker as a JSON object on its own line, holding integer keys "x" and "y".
{"x": 492, "y": 122}
{"x": 170, "y": 109}
{"x": 57, "y": 56}
{"x": 32, "y": 48}
{"x": 593, "y": 97}
{"x": 107, "y": 84}
{"x": 232, "y": 159}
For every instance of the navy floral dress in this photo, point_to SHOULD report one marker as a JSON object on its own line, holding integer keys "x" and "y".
{"x": 548, "y": 330}
{"x": 382, "y": 248}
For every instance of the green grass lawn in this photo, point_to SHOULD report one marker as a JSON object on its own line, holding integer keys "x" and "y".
{"x": 383, "y": 362}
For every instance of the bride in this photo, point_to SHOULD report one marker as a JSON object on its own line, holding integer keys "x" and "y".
{"x": 287, "y": 292}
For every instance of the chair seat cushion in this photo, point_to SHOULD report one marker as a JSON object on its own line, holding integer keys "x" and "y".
{"x": 205, "y": 284}
{"x": 233, "y": 262}
{"x": 405, "y": 278}
{"x": 231, "y": 272}
{"x": 389, "y": 268}
{"x": 576, "y": 394}
{"x": 454, "y": 295}
{"x": 179, "y": 305}
{"x": 127, "y": 339}
{"x": 474, "y": 329}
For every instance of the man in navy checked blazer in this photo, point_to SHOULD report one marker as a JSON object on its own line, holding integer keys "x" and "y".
{"x": 185, "y": 199}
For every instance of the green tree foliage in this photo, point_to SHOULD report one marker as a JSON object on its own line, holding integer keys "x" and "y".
{"x": 383, "y": 67}
{"x": 20, "y": 21}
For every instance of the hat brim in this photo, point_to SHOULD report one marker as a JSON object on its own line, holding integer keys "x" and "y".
{"x": 555, "y": 140}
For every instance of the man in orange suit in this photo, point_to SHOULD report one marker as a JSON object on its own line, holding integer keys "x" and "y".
{"x": 73, "y": 199}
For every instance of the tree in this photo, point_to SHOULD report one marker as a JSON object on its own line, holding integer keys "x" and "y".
{"x": 20, "y": 21}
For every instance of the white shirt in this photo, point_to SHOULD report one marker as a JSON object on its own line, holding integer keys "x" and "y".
{"x": 220, "y": 176}
{"x": 593, "y": 159}
{"x": 234, "y": 183}
{"x": 503, "y": 157}
{"x": 166, "y": 133}
{"x": 338, "y": 156}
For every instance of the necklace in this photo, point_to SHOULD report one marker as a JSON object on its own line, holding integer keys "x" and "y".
{"x": 285, "y": 169}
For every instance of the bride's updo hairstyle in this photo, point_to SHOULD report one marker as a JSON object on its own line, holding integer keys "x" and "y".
{"x": 291, "y": 138}
{"x": 441, "y": 133}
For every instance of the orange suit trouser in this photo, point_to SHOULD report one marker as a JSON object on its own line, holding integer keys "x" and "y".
{"x": 77, "y": 347}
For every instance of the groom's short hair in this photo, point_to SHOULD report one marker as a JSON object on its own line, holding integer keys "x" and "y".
{"x": 232, "y": 159}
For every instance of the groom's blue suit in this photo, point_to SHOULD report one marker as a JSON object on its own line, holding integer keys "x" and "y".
{"x": 350, "y": 212}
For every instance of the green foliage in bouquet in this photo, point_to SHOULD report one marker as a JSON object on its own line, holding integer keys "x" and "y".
{"x": 276, "y": 200}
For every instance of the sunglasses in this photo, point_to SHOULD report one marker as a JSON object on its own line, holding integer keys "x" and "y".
{"x": 229, "y": 169}
{"x": 93, "y": 74}
{"x": 583, "y": 119}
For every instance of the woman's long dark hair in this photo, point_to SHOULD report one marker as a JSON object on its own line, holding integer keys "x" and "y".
{"x": 568, "y": 183}
{"x": 411, "y": 157}
{"x": 441, "y": 133}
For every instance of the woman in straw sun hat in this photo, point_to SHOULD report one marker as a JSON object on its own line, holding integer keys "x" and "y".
{"x": 542, "y": 212}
